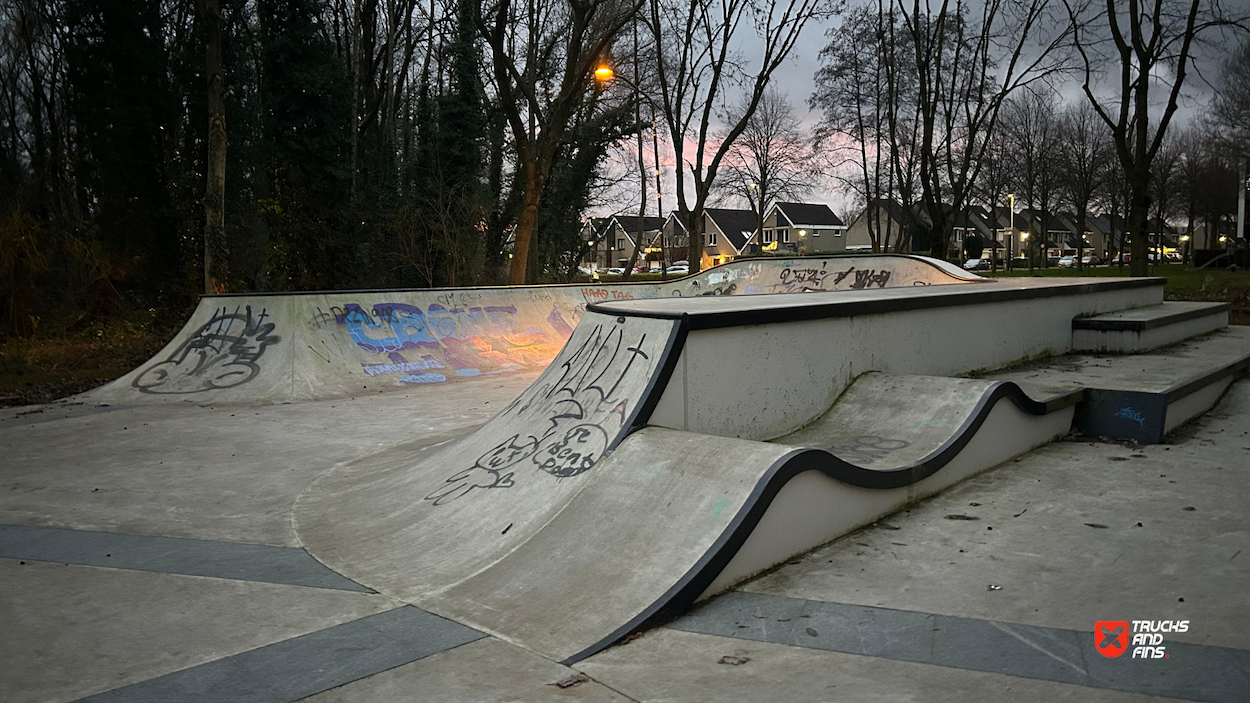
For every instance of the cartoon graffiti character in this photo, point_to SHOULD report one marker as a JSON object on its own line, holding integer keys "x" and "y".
{"x": 569, "y": 412}
{"x": 221, "y": 354}
{"x": 575, "y": 453}
{"x": 487, "y": 471}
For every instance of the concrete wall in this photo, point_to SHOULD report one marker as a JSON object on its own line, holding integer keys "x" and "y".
{"x": 793, "y": 372}
{"x": 273, "y": 348}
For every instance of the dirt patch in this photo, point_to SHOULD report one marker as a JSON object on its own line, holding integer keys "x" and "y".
{"x": 42, "y": 370}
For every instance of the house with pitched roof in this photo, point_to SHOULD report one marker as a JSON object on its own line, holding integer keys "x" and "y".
{"x": 725, "y": 234}
{"x": 800, "y": 228}
{"x": 974, "y": 225}
{"x": 892, "y": 222}
{"x": 612, "y": 239}
{"x": 598, "y": 248}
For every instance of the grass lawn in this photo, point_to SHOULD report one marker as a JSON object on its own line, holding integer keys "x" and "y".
{"x": 1184, "y": 283}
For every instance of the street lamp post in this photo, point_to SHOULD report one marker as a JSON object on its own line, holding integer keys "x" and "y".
{"x": 1011, "y": 243}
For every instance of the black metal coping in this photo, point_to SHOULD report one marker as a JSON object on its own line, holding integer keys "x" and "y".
{"x": 682, "y": 594}
{"x": 1104, "y": 323}
{"x": 677, "y": 279}
{"x": 736, "y": 311}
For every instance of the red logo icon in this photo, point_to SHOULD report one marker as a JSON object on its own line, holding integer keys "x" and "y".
{"x": 1111, "y": 637}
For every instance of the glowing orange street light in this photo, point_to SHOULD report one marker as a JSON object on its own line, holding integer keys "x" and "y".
{"x": 604, "y": 72}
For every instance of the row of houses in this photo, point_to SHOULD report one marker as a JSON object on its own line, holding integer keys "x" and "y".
{"x": 1004, "y": 233}
{"x": 812, "y": 228}
{"x": 799, "y": 228}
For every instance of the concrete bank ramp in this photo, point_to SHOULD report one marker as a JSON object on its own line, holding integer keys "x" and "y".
{"x": 300, "y": 346}
{"x": 521, "y": 530}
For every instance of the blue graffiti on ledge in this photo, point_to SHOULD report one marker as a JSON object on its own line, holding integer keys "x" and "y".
{"x": 1131, "y": 413}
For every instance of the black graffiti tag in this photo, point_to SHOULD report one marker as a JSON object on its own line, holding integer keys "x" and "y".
{"x": 575, "y": 416}
{"x": 867, "y": 278}
{"x": 221, "y": 354}
{"x": 575, "y": 453}
{"x": 866, "y": 449}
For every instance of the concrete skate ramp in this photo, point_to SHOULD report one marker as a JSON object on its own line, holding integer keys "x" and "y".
{"x": 567, "y": 563}
{"x": 600, "y": 501}
{"x": 281, "y": 347}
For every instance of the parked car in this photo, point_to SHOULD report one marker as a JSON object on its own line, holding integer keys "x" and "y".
{"x": 679, "y": 270}
{"x": 1124, "y": 258}
{"x": 683, "y": 262}
{"x": 616, "y": 270}
{"x": 1091, "y": 260}
{"x": 1173, "y": 256}
{"x": 1067, "y": 262}
{"x": 977, "y": 264}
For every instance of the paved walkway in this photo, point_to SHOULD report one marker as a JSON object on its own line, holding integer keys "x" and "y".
{"x": 137, "y": 565}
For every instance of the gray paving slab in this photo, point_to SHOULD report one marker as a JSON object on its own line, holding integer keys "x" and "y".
{"x": 486, "y": 671}
{"x": 171, "y": 555}
{"x": 305, "y": 665}
{"x": 72, "y": 631}
{"x": 1009, "y": 648}
{"x": 670, "y": 665}
{"x": 1190, "y": 671}
{"x": 215, "y": 473}
{"x": 873, "y": 632}
{"x": 1073, "y": 533}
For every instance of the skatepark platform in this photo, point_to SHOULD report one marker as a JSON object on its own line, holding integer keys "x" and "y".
{"x": 1143, "y": 329}
{"x": 666, "y": 408}
{"x": 465, "y": 545}
{"x": 1142, "y": 397}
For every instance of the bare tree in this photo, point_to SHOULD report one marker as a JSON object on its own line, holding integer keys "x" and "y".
{"x": 1231, "y": 106}
{"x": 1085, "y": 155}
{"x": 543, "y": 64}
{"x": 698, "y": 68}
{"x": 772, "y": 159}
{"x": 967, "y": 66}
{"x": 1208, "y": 181}
{"x": 1165, "y": 190}
{"x": 866, "y": 88}
{"x": 996, "y": 178}
{"x": 1032, "y": 126}
{"x": 1148, "y": 44}
{"x": 215, "y": 178}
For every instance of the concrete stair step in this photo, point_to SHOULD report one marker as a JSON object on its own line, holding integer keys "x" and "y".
{"x": 1144, "y": 396}
{"x": 1142, "y": 329}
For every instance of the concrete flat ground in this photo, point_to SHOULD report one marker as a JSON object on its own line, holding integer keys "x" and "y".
{"x": 146, "y": 554}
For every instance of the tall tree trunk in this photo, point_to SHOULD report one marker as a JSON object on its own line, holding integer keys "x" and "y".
{"x": 694, "y": 239}
{"x": 353, "y": 120}
{"x": 215, "y": 185}
{"x": 523, "y": 234}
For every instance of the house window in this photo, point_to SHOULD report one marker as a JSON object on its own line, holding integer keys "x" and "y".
{"x": 785, "y": 235}
{"x": 837, "y": 233}
{"x": 620, "y": 243}
{"x": 815, "y": 233}
{"x": 711, "y": 238}
{"x": 768, "y": 236}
